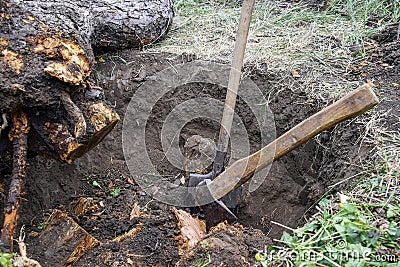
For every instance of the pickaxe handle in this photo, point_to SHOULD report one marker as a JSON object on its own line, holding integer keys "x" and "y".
{"x": 350, "y": 106}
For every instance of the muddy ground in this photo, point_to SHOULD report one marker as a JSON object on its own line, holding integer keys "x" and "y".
{"x": 292, "y": 185}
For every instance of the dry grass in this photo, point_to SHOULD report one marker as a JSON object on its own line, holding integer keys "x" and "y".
{"x": 319, "y": 45}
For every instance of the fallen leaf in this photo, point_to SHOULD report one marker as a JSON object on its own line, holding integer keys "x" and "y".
{"x": 130, "y": 180}
{"x": 193, "y": 230}
{"x": 368, "y": 47}
{"x": 326, "y": 84}
{"x": 135, "y": 211}
{"x": 295, "y": 74}
{"x": 385, "y": 65}
{"x": 129, "y": 261}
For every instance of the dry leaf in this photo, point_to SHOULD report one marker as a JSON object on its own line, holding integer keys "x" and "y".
{"x": 369, "y": 47}
{"x": 326, "y": 84}
{"x": 370, "y": 83}
{"x": 192, "y": 230}
{"x": 295, "y": 74}
{"x": 364, "y": 64}
{"x": 130, "y": 180}
{"x": 135, "y": 211}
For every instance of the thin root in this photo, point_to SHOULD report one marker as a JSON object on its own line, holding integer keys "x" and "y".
{"x": 19, "y": 136}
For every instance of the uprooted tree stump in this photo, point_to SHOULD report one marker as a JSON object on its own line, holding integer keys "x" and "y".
{"x": 46, "y": 59}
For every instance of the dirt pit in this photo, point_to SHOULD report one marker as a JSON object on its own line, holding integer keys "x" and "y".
{"x": 293, "y": 183}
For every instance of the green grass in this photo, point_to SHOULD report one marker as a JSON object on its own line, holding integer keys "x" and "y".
{"x": 362, "y": 230}
{"x": 203, "y": 262}
{"x": 352, "y": 234}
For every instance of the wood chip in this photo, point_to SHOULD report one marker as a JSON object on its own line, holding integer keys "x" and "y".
{"x": 131, "y": 234}
{"x": 86, "y": 205}
{"x": 65, "y": 241}
{"x": 193, "y": 230}
{"x": 135, "y": 211}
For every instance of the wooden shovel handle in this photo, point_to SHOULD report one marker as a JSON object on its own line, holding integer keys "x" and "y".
{"x": 350, "y": 106}
{"x": 235, "y": 74}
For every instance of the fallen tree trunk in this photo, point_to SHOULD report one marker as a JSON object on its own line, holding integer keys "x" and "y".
{"x": 106, "y": 24}
{"x": 46, "y": 58}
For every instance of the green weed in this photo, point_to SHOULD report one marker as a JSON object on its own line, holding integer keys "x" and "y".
{"x": 115, "y": 192}
{"x": 5, "y": 259}
{"x": 42, "y": 225}
{"x": 357, "y": 234}
{"x": 361, "y": 231}
{"x": 203, "y": 262}
{"x": 96, "y": 184}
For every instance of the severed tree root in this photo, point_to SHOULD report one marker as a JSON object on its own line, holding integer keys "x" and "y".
{"x": 75, "y": 113}
{"x": 19, "y": 136}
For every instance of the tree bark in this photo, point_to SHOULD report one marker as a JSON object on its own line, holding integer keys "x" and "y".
{"x": 106, "y": 24}
{"x": 46, "y": 58}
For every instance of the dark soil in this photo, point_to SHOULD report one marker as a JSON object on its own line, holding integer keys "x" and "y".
{"x": 293, "y": 183}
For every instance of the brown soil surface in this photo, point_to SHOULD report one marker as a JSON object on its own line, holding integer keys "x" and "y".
{"x": 293, "y": 183}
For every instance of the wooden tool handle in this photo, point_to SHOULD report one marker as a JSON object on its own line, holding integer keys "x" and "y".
{"x": 235, "y": 74}
{"x": 350, "y": 106}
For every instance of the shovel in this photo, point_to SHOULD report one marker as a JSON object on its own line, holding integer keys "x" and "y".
{"x": 230, "y": 202}
{"x": 351, "y": 105}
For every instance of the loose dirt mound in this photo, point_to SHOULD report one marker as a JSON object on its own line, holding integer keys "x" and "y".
{"x": 116, "y": 205}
